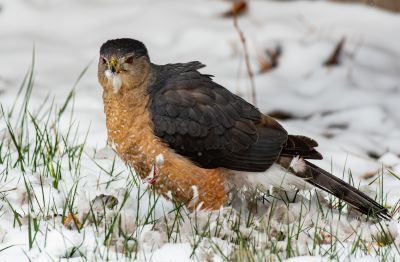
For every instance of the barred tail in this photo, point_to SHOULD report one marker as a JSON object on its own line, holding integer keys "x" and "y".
{"x": 337, "y": 187}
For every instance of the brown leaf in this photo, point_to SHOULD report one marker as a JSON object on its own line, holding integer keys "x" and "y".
{"x": 71, "y": 220}
{"x": 238, "y": 7}
{"x": 369, "y": 175}
{"x": 270, "y": 60}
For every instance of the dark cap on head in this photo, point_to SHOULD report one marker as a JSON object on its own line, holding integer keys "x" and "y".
{"x": 123, "y": 46}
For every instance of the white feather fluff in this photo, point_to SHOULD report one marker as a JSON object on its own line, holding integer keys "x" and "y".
{"x": 298, "y": 165}
{"x": 275, "y": 176}
{"x": 109, "y": 74}
{"x": 115, "y": 80}
{"x": 117, "y": 83}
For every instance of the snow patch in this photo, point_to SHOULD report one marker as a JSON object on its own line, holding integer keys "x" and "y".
{"x": 173, "y": 252}
{"x": 62, "y": 243}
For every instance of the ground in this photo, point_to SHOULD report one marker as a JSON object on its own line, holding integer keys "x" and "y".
{"x": 53, "y": 160}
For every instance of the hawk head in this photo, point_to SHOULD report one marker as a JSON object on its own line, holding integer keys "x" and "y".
{"x": 123, "y": 62}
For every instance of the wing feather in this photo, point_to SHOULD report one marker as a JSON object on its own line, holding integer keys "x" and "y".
{"x": 205, "y": 122}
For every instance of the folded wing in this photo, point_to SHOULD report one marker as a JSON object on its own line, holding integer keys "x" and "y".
{"x": 205, "y": 122}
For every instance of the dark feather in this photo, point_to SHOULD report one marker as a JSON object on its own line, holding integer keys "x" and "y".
{"x": 301, "y": 146}
{"x": 205, "y": 122}
{"x": 123, "y": 46}
{"x": 214, "y": 128}
{"x": 337, "y": 187}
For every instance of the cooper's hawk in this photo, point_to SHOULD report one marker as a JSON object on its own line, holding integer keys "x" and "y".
{"x": 207, "y": 137}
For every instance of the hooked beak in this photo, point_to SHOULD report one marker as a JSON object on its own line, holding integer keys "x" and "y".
{"x": 113, "y": 66}
{"x": 113, "y": 76}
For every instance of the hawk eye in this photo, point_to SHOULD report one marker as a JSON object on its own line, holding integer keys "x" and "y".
{"x": 129, "y": 60}
{"x": 103, "y": 60}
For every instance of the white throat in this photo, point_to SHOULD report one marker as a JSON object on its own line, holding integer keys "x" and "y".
{"x": 115, "y": 80}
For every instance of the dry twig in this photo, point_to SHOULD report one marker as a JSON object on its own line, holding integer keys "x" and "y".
{"x": 246, "y": 58}
{"x": 334, "y": 58}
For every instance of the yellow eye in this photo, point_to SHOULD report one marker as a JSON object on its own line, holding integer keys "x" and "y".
{"x": 129, "y": 60}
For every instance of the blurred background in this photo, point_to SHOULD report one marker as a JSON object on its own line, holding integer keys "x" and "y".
{"x": 391, "y": 5}
{"x": 325, "y": 69}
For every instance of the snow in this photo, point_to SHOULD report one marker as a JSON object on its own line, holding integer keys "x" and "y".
{"x": 351, "y": 110}
{"x": 306, "y": 258}
{"x": 170, "y": 253}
